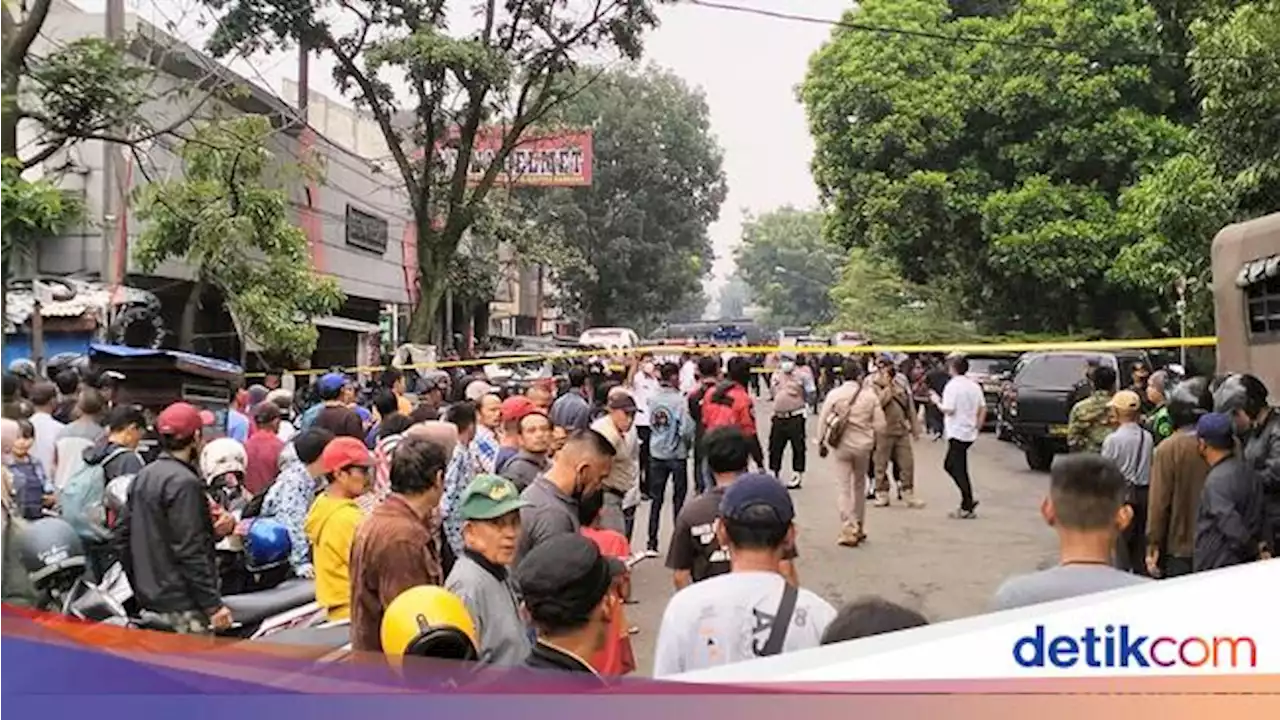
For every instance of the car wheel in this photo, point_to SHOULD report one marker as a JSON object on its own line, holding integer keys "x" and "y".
{"x": 1039, "y": 457}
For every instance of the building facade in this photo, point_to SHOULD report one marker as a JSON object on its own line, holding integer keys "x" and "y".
{"x": 356, "y": 220}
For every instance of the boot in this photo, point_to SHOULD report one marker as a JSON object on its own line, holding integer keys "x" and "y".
{"x": 848, "y": 535}
{"x": 909, "y": 497}
{"x": 882, "y": 499}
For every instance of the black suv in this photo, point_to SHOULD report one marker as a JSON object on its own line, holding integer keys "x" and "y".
{"x": 1045, "y": 386}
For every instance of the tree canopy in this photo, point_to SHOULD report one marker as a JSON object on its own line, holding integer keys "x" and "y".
{"x": 496, "y": 81}
{"x": 633, "y": 247}
{"x": 1071, "y": 160}
{"x": 789, "y": 266}
{"x": 229, "y": 220}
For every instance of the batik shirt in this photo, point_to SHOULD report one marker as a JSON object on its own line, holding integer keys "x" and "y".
{"x": 457, "y": 477}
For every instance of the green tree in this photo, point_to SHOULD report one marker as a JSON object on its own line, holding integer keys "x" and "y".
{"x": 994, "y": 171}
{"x": 789, "y": 266}
{"x": 641, "y": 228}
{"x": 507, "y": 75}
{"x": 734, "y": 298}
{"x": 873, "y": 298}
{"x": 32, "y": 210}
{"x": 228, "y": 219}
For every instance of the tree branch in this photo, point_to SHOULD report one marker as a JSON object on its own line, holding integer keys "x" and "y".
{"x": 379, "y": 111}
{"x": 44, "y": 153}
{"x": 19, "y": 42}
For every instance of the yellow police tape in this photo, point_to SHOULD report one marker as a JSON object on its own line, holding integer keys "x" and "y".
{"x": 963, "y": 348}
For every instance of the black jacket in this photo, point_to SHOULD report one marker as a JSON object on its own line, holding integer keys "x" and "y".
{"x": 165, "y": 539}
{"x": 549, "y": 657}
{"x": 1262, "y": 456}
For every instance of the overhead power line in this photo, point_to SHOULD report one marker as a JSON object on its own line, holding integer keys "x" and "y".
{"x": 962, "y": 39}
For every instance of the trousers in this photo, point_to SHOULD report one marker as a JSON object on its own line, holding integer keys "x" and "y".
{"x": 1131, "y": 545}
{"x": 851, "y": 482}
{"x": 660, "y": 470}
{"x": 898, "y": 449}
{"x": 957, "y": 466}
{"x": 787, "y": 431}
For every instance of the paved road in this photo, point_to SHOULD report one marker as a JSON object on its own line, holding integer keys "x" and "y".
{"x": 945, "y": 568}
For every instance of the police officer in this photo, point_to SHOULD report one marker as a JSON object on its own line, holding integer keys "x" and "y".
{"x": 1091, "y": 419}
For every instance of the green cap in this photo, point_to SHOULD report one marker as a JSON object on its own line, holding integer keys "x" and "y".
{"x": 489, "y": 497}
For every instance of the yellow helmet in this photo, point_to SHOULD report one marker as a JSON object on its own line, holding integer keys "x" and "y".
{"x": 428, "y": 621}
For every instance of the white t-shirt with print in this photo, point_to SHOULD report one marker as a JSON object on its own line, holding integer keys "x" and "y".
{"x": 964, "y": 397}
{"x": 727, "y": 618}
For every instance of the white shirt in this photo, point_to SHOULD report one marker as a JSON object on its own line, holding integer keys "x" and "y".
{"x": 644, "y": 388}
{"x": 688, "y": 377}
{"x": 47, "y": 432}
{"x": 286, "y": 431}
{"x": 961, "y": 401}
{"x": 723, "y": 619}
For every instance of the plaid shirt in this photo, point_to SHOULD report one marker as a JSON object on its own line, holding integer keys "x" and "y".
{"x": 484, "y": 451}
{"x": 456, "y": 479}
{"x": 381, "y": 486}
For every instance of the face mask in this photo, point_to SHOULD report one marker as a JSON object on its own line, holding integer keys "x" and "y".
{"x": 788, "y": 366}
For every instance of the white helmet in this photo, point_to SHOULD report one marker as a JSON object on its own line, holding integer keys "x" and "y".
{"x": 222, "y": 456}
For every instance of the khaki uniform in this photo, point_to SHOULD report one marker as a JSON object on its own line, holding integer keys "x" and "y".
{"x": 1091, "y": 422}
{"x": 895, "y": 442}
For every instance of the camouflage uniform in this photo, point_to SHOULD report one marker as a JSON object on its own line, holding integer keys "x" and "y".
{"x": 1159, "y": 424}
{"x": 1090, "y": 423}
{"x": 186, "y": 622}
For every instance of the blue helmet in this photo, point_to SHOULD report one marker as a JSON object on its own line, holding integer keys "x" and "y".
{"x": 266, "y": 544}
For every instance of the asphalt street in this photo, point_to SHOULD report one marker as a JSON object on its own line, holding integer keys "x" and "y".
{"x": 945, "y": 568}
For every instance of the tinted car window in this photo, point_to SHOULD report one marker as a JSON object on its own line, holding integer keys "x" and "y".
{"x": 1052, "y": 371}
{"x": 987, "y": 366}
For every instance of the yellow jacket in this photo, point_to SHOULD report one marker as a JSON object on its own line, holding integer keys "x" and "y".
{"x": 331, "y": 527}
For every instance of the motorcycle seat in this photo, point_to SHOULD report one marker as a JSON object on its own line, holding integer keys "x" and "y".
{"x": 312, "y": 641}
{"x": 253, "y": 608}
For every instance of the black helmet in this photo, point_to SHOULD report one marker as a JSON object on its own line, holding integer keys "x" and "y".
{"x": 1240, "y": 392}
{"x": 1188, "y": 400}
{"x": 49, "y": 547}
{"x": 64, "y": 361}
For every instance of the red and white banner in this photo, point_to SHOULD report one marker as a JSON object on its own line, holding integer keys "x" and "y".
{"x": 540, "y": 159}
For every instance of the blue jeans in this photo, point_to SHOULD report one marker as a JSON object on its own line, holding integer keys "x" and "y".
{"x": 659, "y": 472}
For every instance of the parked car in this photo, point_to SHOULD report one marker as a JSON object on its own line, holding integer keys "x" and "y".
{"x": 1037, "y": 406}
{"x": 989, "y": 371}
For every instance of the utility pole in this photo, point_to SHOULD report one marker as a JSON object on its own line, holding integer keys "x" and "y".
{"x": 111, "y": 168}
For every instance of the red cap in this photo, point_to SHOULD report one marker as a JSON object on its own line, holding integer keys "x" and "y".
{"x": 343, "y": 452}
{"x": 516, "y": 407}
{"x": 182, "y": 420}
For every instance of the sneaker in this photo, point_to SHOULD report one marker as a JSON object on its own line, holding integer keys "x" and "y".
{"x": 962, "y": 514}
{"x": 882, "y": 499}
{"x": 849, "y": 536}
{"x": 795, "y": 482}
{"x": 651, "y": 553}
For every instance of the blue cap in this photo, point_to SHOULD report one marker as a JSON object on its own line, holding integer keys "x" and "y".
{"x": 757, "y": 490}
{"x": 331, "y": 382}
{"x": 1217, "y": 430}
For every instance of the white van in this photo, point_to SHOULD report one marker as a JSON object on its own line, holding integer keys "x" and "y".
{"x": 611, "y": 338}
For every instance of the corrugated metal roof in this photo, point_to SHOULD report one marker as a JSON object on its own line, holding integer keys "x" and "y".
{"x": 71, "y": 297}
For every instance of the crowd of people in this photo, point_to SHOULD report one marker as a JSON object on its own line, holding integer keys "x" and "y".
{"x": 522, "y": 502}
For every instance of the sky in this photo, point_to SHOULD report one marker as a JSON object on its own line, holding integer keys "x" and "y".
{"x": 748, "y": 66}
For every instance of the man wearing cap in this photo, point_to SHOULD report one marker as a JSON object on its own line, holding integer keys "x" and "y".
{"x": 513, "y": 410}
{"x": 618, "y": 427}
{"x": 165, "y": 535}
{"x": 534, "y": 437}
{"x": 1232, "y": 525}
{"x": 752, "y": 611}
{"x": 395, "y": 549}
{"x": 490, "y": 511}
{"x": 334, "y": 415}
{"x": 567, "y": 584}
{"x": 1130, "y": 447}
{"x": 262, "y": 451}
{"x": 332, "y": 520}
